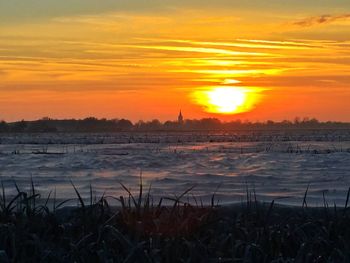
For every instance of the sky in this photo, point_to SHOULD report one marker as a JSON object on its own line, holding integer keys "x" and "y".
{"x": 142, "y": 59}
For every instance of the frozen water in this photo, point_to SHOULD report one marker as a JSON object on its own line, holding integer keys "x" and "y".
{"x": 276, "y": 166}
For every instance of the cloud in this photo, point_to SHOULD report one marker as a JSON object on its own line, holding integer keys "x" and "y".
{"x": 323, "y": 19}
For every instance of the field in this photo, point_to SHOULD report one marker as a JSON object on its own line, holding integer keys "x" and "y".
{"x": 277, "y": 165}
{"x": 175, "y": 197}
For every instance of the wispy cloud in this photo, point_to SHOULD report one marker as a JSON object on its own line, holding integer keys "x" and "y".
{"x": 239, "y": 43}
{"x": 322, "y": 19}
{"x": 188, "y": 49}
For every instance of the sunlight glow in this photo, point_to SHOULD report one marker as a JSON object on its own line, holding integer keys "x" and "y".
{"x": 226, "y": 99}
{"x": 231, "y": 81}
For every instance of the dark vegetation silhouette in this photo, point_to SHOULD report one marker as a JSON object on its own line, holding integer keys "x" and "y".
{"x": 36, "y": 228}
{"x": 93, "y": 124}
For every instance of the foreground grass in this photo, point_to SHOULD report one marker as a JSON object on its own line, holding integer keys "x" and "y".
{"x": 144, "y": 231}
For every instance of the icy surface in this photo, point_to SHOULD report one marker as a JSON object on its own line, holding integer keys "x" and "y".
{"x": 276, "y": 166}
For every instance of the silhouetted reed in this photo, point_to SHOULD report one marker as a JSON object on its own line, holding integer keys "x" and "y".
{"x": 39, "y": 229}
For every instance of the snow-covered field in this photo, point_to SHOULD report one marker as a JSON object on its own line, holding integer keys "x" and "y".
{"x": 277, "y": 165}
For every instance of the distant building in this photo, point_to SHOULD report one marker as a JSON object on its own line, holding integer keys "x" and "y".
{"x": 180, "y": 119}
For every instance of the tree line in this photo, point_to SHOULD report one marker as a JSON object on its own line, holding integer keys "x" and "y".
{"x": 93, "y": 124}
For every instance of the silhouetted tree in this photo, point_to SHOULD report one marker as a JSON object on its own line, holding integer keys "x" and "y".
{"x": 4, "y": 126}
{"x": 93, "y": 124}
{"x": 19, "y": 126}
{"x": 124, "y": 125}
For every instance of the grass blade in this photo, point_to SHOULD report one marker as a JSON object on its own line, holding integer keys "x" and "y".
{"x": 79, "y": 196}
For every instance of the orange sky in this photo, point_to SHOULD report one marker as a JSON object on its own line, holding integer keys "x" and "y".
{"x": 145, "y": 60}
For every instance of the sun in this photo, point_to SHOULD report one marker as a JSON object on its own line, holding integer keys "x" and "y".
{"x": 225, "y": 99}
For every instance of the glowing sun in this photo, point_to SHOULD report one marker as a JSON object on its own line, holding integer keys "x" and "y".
{"x": 225, "y": 100}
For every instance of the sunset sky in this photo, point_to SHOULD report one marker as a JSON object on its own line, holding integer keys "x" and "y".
{"x": 144, "y": 59}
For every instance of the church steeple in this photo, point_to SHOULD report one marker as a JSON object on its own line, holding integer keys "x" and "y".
{"x": 180, "y": 119}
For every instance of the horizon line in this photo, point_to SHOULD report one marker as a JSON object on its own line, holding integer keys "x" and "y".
{"x": 241, "y": 120}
